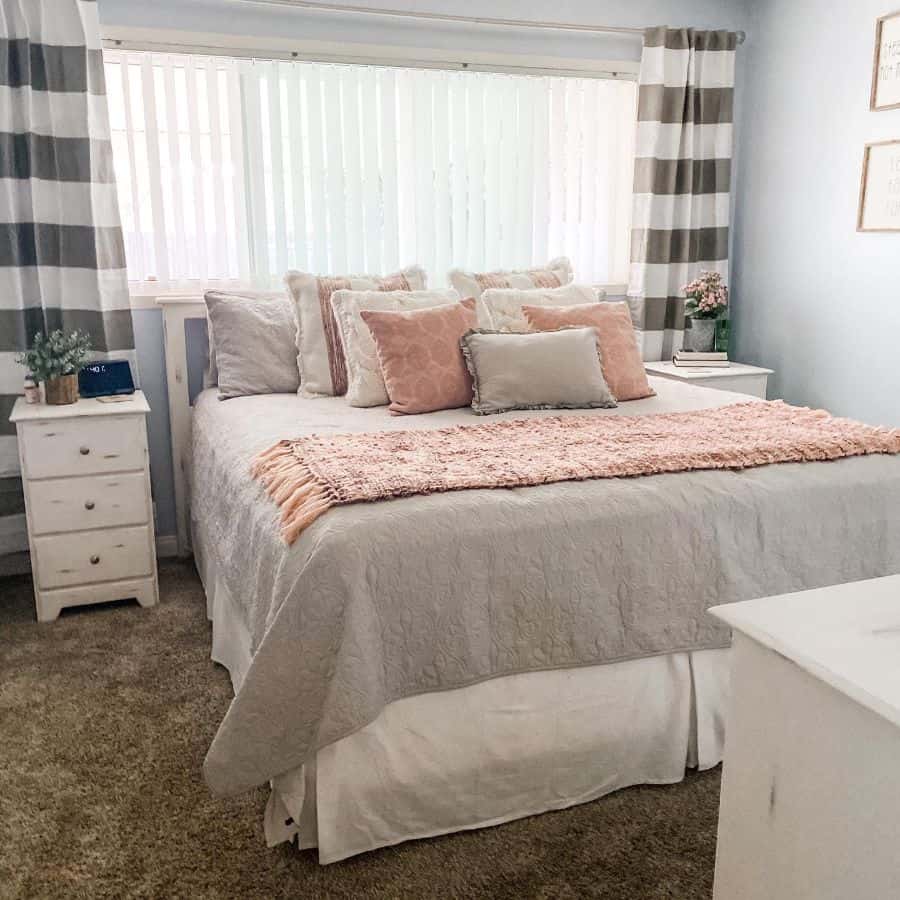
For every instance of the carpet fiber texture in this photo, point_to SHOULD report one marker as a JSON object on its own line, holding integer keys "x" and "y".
{"x": 105, "y": 717}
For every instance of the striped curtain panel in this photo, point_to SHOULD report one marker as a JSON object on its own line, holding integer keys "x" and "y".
{"x": 682, "y": 179}
{"x": 62, "y": 259}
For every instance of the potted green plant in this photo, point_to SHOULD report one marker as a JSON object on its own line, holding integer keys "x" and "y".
{"x": 707, "y": 300}
{"x": 55, "y": 361}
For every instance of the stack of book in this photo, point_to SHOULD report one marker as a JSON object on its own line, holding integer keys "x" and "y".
{"x": 713, "y": 359}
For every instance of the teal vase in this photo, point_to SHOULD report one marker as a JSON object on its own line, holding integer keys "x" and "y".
{"x": 723, "y": 334}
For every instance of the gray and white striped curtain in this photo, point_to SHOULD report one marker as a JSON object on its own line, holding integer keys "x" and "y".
{"x": 682, "y": 180}
{"x": 62, "y": 259}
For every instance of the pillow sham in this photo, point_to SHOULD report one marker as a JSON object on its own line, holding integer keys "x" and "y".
{"x": 251, "y": 340}
{"x": 500, "y": 309}
{"x": 211, "y": 372}
{"x": 320, "y": 356}
{"x": 365, "y": 384}
{"x": 557, "y": 272}
{"x": 420, "y": 356}
{"x": 541, "y": 370}
{"x": 620, "y": 357}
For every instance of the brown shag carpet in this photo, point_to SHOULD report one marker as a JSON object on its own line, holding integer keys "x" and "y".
{"x": 105, "y": 716}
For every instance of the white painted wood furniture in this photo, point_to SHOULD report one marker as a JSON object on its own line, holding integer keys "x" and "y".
{"x": 738, "y": 377}
{"x": 86, "y": 479}
{"x": 810, "y": 806}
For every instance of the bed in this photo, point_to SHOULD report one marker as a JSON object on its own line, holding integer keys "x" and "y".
{"x": 516, "y": 742}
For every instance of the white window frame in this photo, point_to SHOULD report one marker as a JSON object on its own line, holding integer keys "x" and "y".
{"x": 164, "y": 40}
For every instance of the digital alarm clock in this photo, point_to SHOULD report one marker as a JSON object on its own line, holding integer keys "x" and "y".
{"x": 105, "y": 378}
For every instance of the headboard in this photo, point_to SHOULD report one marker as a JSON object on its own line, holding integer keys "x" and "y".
{"x": 177, "y": 310}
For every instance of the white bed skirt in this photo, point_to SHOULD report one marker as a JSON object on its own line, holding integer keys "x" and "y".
{"x": 491, "y": 752}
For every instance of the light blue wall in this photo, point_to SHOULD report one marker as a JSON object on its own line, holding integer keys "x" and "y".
{"x": 223, "y": 16}
{"x": 148, "y": 330}
{"x": 815, "y": 300}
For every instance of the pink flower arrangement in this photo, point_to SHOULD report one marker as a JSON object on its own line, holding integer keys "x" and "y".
{"x": 707, "y": 296}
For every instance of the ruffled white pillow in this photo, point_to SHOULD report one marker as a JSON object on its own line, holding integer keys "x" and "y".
{"x": 365, "y": 384}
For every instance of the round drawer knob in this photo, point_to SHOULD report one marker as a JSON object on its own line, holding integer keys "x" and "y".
{"x": 88, "y": 504}
{"x": 84, "y": 450}
{"x": 95, "y": 559}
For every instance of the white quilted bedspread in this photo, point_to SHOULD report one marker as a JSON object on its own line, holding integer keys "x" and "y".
{"x": 380, "y": 601}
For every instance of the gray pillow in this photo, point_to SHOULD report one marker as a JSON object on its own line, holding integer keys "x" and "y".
{"x": 543, "y": 370}
{"x": 211, "y": 373}
{"x": 253, "y": 347}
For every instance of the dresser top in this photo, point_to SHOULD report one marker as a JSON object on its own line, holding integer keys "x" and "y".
{"x": 43, "y": 412}
{"x": 847, "y": 635}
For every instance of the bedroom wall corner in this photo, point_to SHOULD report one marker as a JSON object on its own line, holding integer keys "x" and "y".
{"x": 815, "y": 300}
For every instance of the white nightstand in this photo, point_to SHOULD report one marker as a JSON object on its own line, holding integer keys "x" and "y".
{"x": 86, "y": 480}
{"x": 737, "y": 377}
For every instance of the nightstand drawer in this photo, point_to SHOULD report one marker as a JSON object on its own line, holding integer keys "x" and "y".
{"x": 81, "y": 557}
{"x": 82, "y": 446}
{"x": 97, "y": 501}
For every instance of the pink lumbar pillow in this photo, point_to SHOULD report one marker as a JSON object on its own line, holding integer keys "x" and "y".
{"x": 620, "y": 357}
{"x": 420, "y": 357}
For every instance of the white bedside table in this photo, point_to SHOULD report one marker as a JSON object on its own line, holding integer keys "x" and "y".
{"x": 811, "y": 777}
{"x": 86, "y": 480}
{"x": 738, "y": 377}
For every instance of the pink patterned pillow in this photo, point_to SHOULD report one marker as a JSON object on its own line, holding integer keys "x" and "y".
{"x": 620, "y": 357}
{"x": 420, "y": 357}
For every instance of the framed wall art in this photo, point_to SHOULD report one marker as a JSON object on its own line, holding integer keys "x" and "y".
{"x": 879, "y": 189}
{"x": 886, "y": 68}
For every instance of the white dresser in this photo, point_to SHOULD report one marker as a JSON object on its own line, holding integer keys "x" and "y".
{"x": 737, "y": 377}
{"x": 810, "y": 806}
{"x": 86, "y": 480}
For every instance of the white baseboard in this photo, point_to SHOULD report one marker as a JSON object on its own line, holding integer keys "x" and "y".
{"x": 166, "y": 545}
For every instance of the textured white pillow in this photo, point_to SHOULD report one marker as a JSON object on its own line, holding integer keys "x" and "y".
{"x": 320, "y": 355}
{"x": 556, "y": 273}
{"x": 365, "y": 385}
{"x": 500, "y": 309}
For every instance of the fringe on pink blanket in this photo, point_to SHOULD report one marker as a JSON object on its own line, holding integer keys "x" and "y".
{"x": 308, "y": 476}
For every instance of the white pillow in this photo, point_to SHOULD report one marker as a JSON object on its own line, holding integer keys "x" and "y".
{"x": 320, "y": 356}
{"x": 500, "y": 309}
{"x": 556, "y": 273}
{"x": 365, "y": 385}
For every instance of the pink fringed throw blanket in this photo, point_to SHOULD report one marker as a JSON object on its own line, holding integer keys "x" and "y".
{"x": 308, "y": 476}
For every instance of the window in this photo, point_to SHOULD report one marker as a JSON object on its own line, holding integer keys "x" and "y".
{"x": 234, "y": 170}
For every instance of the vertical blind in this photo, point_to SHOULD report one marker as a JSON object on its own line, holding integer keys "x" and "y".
{"x": 236, "y": 170}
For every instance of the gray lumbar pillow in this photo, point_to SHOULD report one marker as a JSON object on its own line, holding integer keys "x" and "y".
{"x": 543, "y": 370}
{"x": 253, "y": 346}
